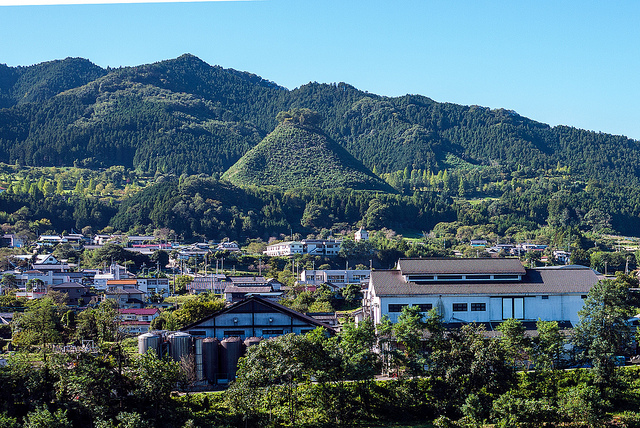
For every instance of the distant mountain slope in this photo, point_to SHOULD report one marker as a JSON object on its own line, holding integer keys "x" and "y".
{"x": 298, "y": 154}
{"x": 185, "y": 116}
{"x": 40, "y": 82}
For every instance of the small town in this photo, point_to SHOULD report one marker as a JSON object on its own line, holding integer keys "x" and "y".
{"x": 192, "y": 309}
{"x": 303, "y": 214}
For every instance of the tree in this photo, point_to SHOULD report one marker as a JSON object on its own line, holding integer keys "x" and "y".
{"x": 603, "y": 331}
{"x": 548, "y": 346}
{"x": 270, "y": 371}
{"x": 180, "y": 283}
{"x": 9, "y": 281}
{"x": 99, "y": 324}
{"x": 408, "y": 333}
{"x": 38, "y": 325}
{"x": 514, "y": 342}
{"x": 94, "y": 383}
{"x": 42, "y": 417}
{"x": 160, "y": 257}
{"x": 356, "y": 344}
{"x": 352, "y": 294}
{"x": 154, "y": 381}
{"x": 196, "y": 309}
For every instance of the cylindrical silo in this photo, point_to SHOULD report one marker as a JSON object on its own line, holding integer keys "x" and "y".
{"x": 148, "y": 341}
{"x": 210, "y": 358}
{"x": 180, "y": 345}
{"x": 198, "y": 358}
{"x": 231, "y": 351}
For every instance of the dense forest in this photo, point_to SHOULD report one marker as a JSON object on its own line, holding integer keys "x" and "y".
{"x": 185, "y": 116}
{"x": 183, "y": 145}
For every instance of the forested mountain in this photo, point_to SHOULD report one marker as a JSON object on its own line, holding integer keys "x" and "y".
{"x": 40, "y": 82}
{"x": 185, "y": 116}
{"x": 297, "y": 154}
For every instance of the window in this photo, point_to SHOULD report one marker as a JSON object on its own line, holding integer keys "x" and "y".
{"x": 231, "y": 333}
{"x": 545, "y": 297}
{"x": 449, "y": 276}
{"x": 459, "y": 307}
{"x": 394, "y": 307}
{"x": 475, "y": 277}
{"x": 273, "y": 331}
{"x": 478, "y": 307}
{"x": 425, "y": 307}
{"x": 506, "y": 276}
{"x": 197, "y": 333}
{"x": 416, "y": 278}
{"x": 584, "y": 296}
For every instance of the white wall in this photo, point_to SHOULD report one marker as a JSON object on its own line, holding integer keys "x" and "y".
{"x": 555, "y": 308}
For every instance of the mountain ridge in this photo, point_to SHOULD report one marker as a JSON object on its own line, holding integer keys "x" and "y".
{"x": 183, "y": 115}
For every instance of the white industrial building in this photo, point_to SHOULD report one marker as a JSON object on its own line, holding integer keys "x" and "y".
{"x": 339, "y": 278}
{"x": 479, "y": 290}
{"x": 316, "y": 247}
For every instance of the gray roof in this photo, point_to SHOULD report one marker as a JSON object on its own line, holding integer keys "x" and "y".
{"x": 236, "y": 289}
{"x": 247, "y": 280}
{"x": 536, "y": 281}
{"x": 69, "y": 285}
{"x": 461, "y": 266}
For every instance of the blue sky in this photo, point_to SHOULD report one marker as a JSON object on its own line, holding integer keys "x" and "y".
{"x": 566, "y": 62}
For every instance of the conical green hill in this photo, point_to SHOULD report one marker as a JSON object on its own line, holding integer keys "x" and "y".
{"x": 295, "y": 156}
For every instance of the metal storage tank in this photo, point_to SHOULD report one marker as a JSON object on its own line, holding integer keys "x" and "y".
{"x": 250, "y": 341}
{"x": 148, "y": 341}
{"x": 231, "y": 351}
{"x": 180, "y": 345}
{"x": 198, "y": 360}
{"x": 210, "y": 358}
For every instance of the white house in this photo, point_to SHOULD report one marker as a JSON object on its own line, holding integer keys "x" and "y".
{"x": 340, "y": 278}
{"x": 136, "y": 320}
{"x": 318, "y": 247}
{"x": 562, "y": 257}
{"x": 361, "y": 235}
{"x": 479, "y": 290}
{"x": 151, "y": 286}
{"x": 288, "y": 248}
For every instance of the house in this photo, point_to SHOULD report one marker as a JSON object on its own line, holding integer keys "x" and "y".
{"x": 77, "y": 294}
{"x": 214, "y": 283}
{"x": 479, "y": 290}
{"x": 11, "y": 240}
{"x": 228, "y": 246}
{"x": 479, "y": 243}
{"x": 361, "y": 235}
{"x": 48, "y": 278}
{"x": 563, "y": 257}
{"x": 116, "y": 272}
{"x": 125, "y": 297}
{"x": 125, "y": 293}
{"x": 47, "y": 262}
{"x": 239, "y": 287}
{"x": 318, "y": 247}
{"x": 137, "y": 320}
{"x": 288, "y": 248}
{"x": 321, "y": 247}
{"x": 50, "y": 240}
{"x": 254, "y": 317}
{"x": 339, "y": 278}
{"x": 151, "y": 286}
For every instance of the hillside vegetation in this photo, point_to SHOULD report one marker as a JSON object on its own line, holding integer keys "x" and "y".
{"x": 298, "y": 154}
{"x": 185, "y": 116}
